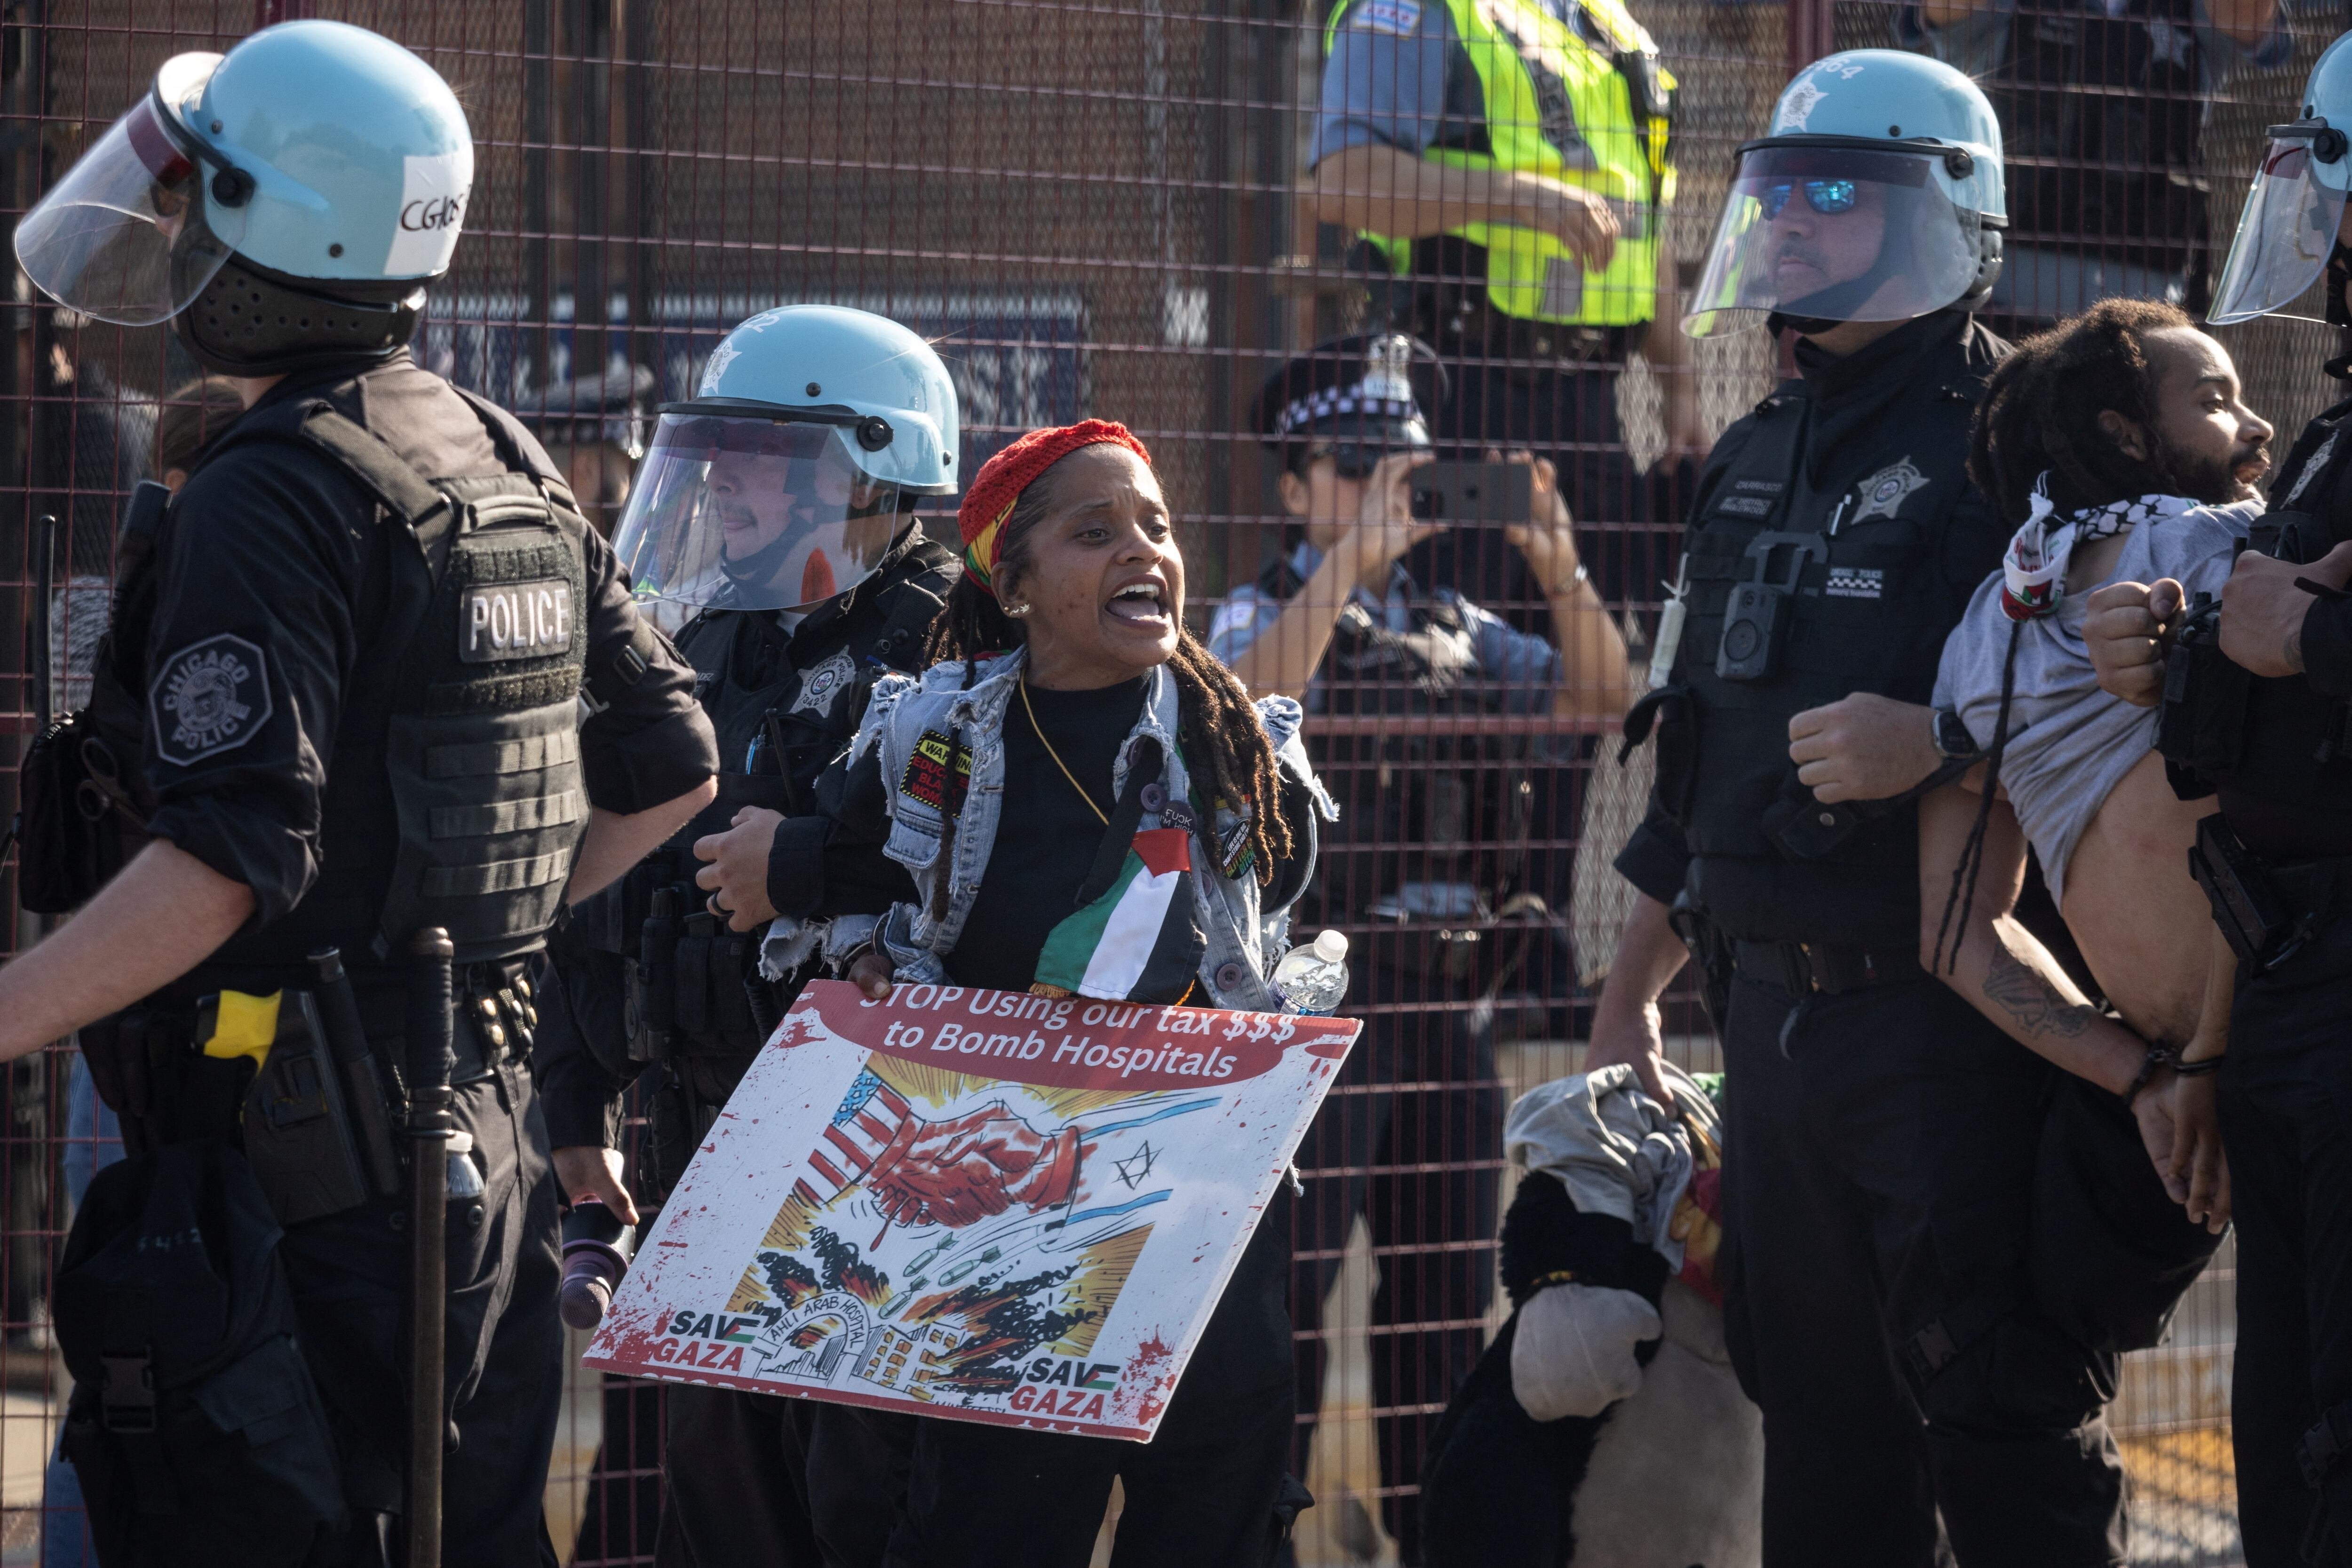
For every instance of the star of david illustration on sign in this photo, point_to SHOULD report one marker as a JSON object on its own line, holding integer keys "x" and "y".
{"x": 976, "y": 1204}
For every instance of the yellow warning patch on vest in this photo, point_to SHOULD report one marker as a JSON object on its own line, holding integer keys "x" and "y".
{"x": 938, "y": 773}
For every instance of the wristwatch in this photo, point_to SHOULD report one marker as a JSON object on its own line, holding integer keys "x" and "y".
{"x": 1953, "y": 741}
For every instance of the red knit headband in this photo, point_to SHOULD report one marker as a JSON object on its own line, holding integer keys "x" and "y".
{"x": 998, "y": 485}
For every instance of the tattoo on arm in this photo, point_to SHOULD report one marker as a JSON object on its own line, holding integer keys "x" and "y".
{"x": 2027, "y": 995}
{"x": 2294, "y": 648}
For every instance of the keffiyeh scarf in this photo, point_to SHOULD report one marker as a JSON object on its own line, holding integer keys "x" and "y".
{"x": 2034, "y": 567}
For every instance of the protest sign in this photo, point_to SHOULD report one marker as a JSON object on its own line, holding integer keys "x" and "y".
{"x": 979, "y": 1204}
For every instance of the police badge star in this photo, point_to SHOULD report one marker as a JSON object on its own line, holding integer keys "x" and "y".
{"x": 823, "y": 684}
{"x": 1884, "y": 494}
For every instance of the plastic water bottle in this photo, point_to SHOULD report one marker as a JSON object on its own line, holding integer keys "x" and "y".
{"x": 1313, "y": 976}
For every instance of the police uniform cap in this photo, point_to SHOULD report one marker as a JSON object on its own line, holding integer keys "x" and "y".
{"x": 1345, "y": 390}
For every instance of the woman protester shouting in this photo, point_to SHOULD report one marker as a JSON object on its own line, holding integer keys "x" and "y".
{"x": 1069, "y": 709}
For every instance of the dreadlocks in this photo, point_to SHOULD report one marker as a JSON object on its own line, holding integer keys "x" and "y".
{"x": 2042, "y": 407}
{"x": 1220, "y": 725}
{"x": 2041, "y": 416}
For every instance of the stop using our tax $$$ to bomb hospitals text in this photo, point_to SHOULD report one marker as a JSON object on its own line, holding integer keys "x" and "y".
{"x": 1054, "y": 1015}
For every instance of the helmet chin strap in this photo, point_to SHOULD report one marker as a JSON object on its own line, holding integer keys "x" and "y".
{"x": 758, "y": 568}
{"x": 1837, "y": 302}
{"x": 250, "y": 321}
{"x": 1780, "y": 321}
{"x": 1834, "y": 305}
{"x": 755, "y": 570}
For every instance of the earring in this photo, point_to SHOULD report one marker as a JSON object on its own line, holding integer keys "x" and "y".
{"x": 1017, "y": 610}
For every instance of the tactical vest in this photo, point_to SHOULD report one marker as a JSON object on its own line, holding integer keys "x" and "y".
{"x": 1585, "y": 102}
{"x": 480, "y": 740}
{"x": 2101, "y": 119}
{"x": 1797, "y": 597}
{"x": 2275, "y": 740}
{"x": 1417, "y": 807}
{"x": 780, "y": 723}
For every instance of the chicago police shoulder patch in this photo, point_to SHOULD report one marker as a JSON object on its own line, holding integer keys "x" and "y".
{"x": 212, "y": 696}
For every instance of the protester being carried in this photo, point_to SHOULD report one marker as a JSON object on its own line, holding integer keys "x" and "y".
{"x": 2120, "y": 437}
{"x": 1066, "y": 683}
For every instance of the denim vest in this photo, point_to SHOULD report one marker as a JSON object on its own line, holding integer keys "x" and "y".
{"x": 1243, "y": 940}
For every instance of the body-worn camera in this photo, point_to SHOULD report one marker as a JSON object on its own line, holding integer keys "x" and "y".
{"x": 1754, "y": 617}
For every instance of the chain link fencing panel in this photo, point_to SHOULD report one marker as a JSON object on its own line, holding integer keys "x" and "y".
{"x": 1093, "y": 209}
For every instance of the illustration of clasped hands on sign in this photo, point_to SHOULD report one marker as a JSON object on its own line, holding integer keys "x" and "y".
{"x": 976, "y": 1204}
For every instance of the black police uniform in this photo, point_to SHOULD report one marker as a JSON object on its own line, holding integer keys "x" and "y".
{"x": 752, "y": 1478}
{"x": 357, "y": 650}
{"x": 2276, "y": 750}
{"x": 1881, "y": 1137}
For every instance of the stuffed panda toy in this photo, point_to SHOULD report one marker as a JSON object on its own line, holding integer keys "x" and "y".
{"x": 1604, "y": 1426}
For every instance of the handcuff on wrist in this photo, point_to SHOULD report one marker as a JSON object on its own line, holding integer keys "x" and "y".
{"x": 2160, "y": 1056}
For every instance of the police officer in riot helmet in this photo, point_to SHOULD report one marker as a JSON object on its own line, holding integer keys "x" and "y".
{"x": 340, "y": 709}
{"x": 1881, "y": 1136}
{"x": 2254, "y": 712}
{"x": 776, "y": 509}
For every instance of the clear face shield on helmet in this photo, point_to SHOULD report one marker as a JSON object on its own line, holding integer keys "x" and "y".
{"x": 743, "y": 512}
{"x": 124, "y": 237}
{"x": 2288, "y": 228}
{"x": 1837, "y": 233}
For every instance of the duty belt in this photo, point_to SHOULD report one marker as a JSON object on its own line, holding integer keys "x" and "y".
{"x": 2315, "y": 890}
{"x": 1802, "y": 968}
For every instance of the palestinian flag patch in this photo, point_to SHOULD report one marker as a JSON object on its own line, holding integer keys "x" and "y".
{"x": 1138, "y": 939}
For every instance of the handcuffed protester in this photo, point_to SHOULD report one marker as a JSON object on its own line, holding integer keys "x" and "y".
{"x": 341, "y": 707}
{"x": 1431, "y": 844}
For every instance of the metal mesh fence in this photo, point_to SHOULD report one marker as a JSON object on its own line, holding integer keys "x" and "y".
{"x": 1095, "y": 209}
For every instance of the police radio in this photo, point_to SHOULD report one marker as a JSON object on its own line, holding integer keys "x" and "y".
{"x": 1755, "y": 618}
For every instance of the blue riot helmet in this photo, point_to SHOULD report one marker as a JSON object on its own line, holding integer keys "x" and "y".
{"x": 1876, "y": 197}
{"x": 282, "y": 205}
{"x": 783, "y": 481}
{"x": 2288, "y": 232}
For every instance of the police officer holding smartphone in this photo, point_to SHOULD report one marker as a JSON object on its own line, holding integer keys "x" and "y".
{"x": 341, "y": 709}
{"x": 1429, "y": 848}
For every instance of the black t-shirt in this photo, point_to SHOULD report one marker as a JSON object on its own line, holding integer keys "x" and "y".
{"x": 1046, "y": 837}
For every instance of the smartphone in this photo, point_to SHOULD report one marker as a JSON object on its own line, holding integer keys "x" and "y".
{"x": 1474, "y": 492}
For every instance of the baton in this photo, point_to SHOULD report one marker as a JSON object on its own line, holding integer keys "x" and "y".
{"x": 432, "y": 1060}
